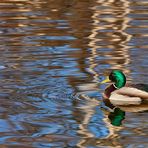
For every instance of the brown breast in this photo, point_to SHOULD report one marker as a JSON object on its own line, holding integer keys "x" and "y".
{"x": 108, "y": 91}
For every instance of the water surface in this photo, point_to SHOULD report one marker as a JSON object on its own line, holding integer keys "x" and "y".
{"x": 53, "y": 56}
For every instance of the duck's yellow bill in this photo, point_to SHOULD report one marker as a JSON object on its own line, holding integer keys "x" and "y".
{"x": 106, "y": 80}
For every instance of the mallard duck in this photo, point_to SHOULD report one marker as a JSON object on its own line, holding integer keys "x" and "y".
{"x": 119, "y": 93}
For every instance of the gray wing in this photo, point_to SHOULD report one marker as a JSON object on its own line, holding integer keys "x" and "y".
{"x": 143, "y": 87}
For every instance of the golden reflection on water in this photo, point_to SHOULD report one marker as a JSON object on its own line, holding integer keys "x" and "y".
{"x": 89, "y": 110}
{"x": 117, "y": 38}
{"x": 88, "y": 138}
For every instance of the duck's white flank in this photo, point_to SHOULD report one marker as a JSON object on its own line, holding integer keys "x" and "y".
{"x": 128, "y": 96}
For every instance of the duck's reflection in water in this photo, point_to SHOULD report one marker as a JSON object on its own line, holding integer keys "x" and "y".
{"x": 117, "y": 115}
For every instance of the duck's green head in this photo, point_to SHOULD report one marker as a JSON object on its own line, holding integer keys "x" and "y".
{"x": 117, "y": 77}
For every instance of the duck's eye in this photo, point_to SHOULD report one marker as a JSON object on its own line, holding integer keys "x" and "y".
{"x": 112, "y": 77}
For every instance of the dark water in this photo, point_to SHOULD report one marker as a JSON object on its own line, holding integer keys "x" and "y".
{"x": 53, "y": 56}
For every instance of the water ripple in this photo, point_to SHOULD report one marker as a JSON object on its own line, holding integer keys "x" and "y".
{"x": 53, "y": 56}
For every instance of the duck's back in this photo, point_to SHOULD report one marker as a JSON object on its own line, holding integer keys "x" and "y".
{"x": 143, "y": 87}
